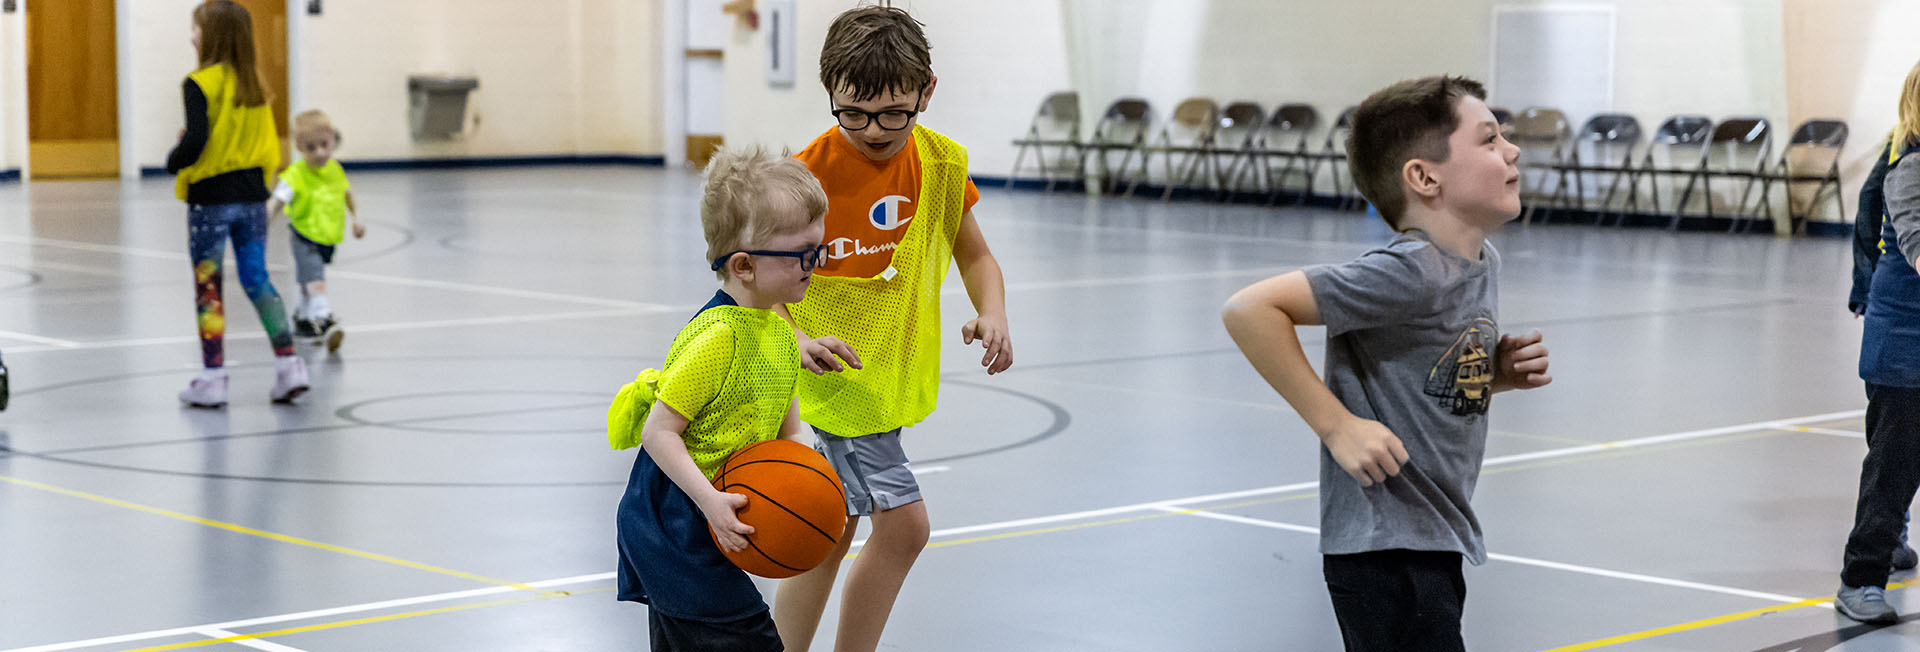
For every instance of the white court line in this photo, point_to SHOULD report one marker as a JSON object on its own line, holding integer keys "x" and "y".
{"x": 48, "y": 341}
{"x": 1158, "y": 505}
{"x": 928, "y": 470}
{"x": 1573, "y": 568}
{"x": 255, "y": 643}
{"x": 1824, "y": 431}
{"x": 363, "y": 276}
{"x": 368, "y": 328}
{"x": 1301, "y": 486}
{"x": 307, "y": 615}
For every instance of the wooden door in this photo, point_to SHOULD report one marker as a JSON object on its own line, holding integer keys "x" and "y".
{"x": 73, "y": 106}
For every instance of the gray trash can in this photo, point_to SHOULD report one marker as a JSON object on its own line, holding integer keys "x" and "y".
{"x": 438, "y": 105}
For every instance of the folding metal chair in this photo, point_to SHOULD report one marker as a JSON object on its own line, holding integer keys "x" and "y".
{"x": 1738, "y": 151}
{"x": 1542, "y": 135}
{"x": 1287, "y": 137}
{"x": 1811, "y": 156}
{"x": 1056, "y": 124}
{"x": 1186, "y": 136}
{"x": 1678, "y": 148}
{"x": 1123, "y": 128}
{"x": 1333, "y": 155}
{"x": 1235, "y": 139}
{"x": 1602, "y": 153}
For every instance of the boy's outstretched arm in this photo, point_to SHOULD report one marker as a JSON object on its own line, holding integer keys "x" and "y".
{"x": 359, "y": 230}
{"x": 819, "y": 355}
{"x": 987, "y": 287}
{"x": 1523, "y": 362}
{"x": 660, "y": 437}
{"x": 1261, "y": 319}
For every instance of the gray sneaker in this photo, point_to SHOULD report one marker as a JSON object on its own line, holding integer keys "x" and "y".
{"x": 289, "y": 379}
{"x": 1905, "y": 558}
{"x": 1867, "y": 604}
{"x": 205, "y": 392}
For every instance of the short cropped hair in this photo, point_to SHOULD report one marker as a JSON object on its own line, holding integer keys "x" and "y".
{"x": 1408, "y": 120}
{"x": 311, "y": 124}
{"x": 872, "y": 50}
{"x": 752, "y": 195}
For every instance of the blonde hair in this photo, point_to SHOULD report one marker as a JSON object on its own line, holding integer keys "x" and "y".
{"x": 1907, "y": 131}
{"x": 752, "y": 195}
{"x": 310, "y": 122}
{"x": 226, "y": 37}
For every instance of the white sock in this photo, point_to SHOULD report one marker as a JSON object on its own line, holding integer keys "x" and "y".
{"x": 213, "y": 373}
{"x": 317, "y": 308}
{"x": 281, "y": 362}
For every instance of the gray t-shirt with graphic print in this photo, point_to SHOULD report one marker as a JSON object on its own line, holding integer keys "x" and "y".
{"x": 1411, "y": 337}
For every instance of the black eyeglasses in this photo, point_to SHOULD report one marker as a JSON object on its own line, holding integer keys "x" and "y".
{"x": 895, "y": 120}
{"x": 810, "y": 257}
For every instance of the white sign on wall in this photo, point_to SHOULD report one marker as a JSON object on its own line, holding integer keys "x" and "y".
{"x": 780, "y": 37}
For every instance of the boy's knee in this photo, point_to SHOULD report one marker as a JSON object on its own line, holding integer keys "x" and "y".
{"x": 907, "y": 526}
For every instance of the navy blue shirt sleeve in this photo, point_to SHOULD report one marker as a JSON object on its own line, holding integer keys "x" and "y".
{"x": 195, "y": 139}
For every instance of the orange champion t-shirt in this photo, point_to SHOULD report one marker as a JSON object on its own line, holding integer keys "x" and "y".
{"x": 870, "y": 204}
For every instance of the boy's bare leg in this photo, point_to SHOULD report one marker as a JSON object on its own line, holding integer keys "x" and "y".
{"x": 874, "y": 581}
{"x": 800, "y": 600}
{"x": 316, "y": 288}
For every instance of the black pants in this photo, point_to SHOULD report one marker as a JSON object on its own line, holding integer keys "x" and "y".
{"x": 1888, "y": 479}
{"x": 1397, "y": 600}
{"x": 751, "y": 634}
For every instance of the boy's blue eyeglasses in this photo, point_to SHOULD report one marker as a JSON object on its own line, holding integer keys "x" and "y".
{"x": 810, "y": 257}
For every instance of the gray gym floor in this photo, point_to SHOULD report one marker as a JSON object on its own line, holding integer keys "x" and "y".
{"x": 1686, "y": 483}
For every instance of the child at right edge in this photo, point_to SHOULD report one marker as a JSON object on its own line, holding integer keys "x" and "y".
{"x": 1414, "y": 357}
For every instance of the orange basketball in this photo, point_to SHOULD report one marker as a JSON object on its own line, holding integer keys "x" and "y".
{"x": 794, "y": 502}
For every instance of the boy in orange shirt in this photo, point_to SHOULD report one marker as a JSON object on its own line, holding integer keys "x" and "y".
{"x": 899, "y": 214}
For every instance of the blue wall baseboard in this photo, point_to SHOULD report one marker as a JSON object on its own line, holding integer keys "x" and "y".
{"x": 641, "y": 160}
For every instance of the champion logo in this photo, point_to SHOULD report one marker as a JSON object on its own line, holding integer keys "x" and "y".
{"x": 890, "y": 212}
{"x": 843, "y": 247}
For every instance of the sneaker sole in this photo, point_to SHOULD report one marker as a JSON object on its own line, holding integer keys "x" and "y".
{"x": 203, "y": 405}
{"x": 1887, "y": 618}
{"x": 333, "y": 340}
{"x": 291, "y": 394}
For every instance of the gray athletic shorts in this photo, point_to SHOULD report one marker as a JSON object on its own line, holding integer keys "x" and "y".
{"x": 309, "y": 258}
{"x": 873, "y": 468}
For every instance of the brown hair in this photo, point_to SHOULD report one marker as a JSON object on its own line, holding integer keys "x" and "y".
{"x": 1408, "y": 120}
{"x": 750, "y": 196}
{"x": 226, "y": 37}
{"x": 872, "y": 50}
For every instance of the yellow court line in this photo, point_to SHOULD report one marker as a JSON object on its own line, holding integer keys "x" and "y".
{"x": 358, "y": 621}
{"x": 242, "y": 529}
{"x": 1709, "y": 622}
{"x": 994, "y": 537}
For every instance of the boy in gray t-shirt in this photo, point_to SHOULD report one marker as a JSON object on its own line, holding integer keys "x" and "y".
{"x": 1414, "y": 356}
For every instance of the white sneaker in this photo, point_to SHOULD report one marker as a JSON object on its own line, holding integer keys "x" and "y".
{"x": 206, "y": 391}
{"x": 289, "y": 379}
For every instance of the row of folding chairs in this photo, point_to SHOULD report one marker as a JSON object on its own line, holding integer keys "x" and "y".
{"x": 1609, "y": 167}
{"x": 1202, "y": 145}
{"x": 1728, "y": 168}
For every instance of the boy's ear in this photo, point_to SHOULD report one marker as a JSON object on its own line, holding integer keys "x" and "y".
{"x": 1418, "y": 176}
{"x": 740, "y": 265}
{"x": 927, "y": 96}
